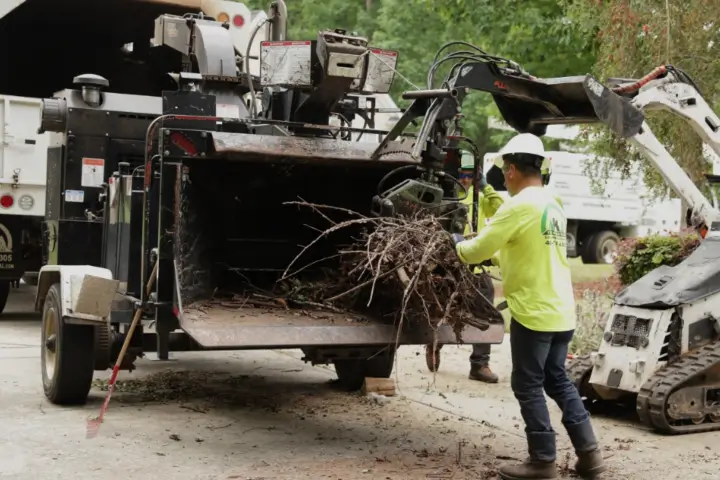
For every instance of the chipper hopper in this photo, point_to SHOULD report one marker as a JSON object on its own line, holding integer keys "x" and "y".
{"x": 217, "y": 192}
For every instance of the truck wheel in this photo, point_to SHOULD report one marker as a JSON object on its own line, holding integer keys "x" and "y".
{"x": 601, "y": 247}
{"x": 352, "y": 372}
{"x": 4, "y": 293}
{"x": 572, "y": 245}
{"x": 31, "y": 278}
{"x": 67, "y": 354}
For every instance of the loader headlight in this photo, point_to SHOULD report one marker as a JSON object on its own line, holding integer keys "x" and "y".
{"x": 607, "y": 336}
{"x": 26, "y": 202}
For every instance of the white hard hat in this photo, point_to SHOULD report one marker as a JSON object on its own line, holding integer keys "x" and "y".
{"x": 523, "y": 143}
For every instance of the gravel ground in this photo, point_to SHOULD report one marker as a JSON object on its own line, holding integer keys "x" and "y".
{"x": 266, "y": 415}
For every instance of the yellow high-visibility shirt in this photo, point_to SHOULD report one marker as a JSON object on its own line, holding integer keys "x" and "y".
{"x": 529, "y": 233}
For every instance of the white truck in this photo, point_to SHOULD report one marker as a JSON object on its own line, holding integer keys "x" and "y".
{"x": 62, "y": 31}
{"x": 598, "y": 221}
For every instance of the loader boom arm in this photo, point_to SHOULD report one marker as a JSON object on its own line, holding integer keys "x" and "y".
{"x": 685, "y": 101}
{"x": 530, "y": 104}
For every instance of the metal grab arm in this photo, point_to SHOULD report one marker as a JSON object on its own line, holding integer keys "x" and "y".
{"x": 685, "y": 101}
{"x": 703, "y": 213}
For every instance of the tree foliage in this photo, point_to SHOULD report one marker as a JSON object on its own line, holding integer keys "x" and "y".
{"x": 631, "y": 38}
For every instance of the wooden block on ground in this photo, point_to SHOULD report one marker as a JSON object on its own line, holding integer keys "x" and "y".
{"x": 381, "y": 386}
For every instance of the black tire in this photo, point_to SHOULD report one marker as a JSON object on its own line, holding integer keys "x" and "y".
{"x": 584, "y": 249}
{"x": 576, "y": 252}
{"x": 352, "y": 372}
{"x": 600, "y": 246}
{"x": 4, "y": 293}
{"x": 73, "y": 363}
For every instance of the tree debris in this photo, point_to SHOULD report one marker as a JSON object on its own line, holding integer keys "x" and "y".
{"x": 406, "y": 266}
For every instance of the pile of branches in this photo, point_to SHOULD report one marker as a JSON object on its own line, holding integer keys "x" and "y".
{"x": 405, "y": 267}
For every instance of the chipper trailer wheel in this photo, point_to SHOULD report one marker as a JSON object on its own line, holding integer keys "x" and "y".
{"x": 352, "y": 372}
{"x": 67, "y": 355}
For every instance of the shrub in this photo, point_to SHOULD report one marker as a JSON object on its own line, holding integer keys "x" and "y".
{"x": 636, "y": 257}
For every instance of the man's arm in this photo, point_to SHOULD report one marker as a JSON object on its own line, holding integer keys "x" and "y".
{"x": 491, "y": 201}
{"x": 491, "y": 238}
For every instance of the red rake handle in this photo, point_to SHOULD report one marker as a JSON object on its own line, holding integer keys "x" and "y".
{"x": 93, "y": 424}
{"x": 111, "y": 389}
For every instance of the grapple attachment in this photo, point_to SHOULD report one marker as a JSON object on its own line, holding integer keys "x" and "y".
{"x": 617, "y": 112}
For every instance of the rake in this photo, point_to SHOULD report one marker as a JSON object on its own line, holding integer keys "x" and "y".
{"x": 93, "y": 424}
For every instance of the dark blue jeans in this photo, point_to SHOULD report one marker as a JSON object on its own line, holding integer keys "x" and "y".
{"x": 539, "y": 365}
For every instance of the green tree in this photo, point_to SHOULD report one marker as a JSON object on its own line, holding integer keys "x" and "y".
{"x": 631, "y": 38}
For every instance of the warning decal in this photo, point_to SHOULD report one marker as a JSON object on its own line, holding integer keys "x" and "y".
{"x": 93, "y": 172}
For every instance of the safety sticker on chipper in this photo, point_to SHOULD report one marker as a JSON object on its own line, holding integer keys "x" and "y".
{"x": 6, "y": 249}
{"x": 381, "y": 71}
{"x": 93, "y": 172}
{"x": 285, "y": 63}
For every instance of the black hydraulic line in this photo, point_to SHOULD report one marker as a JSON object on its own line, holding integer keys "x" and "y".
{"x": 435, "y": 93}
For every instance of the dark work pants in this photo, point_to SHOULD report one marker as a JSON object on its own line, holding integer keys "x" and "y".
{"x": 481, "y": 352}
{"x": 538, "y": 360}
{"x": 480, "y": 355}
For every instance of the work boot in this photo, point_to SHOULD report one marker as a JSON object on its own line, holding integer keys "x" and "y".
{"x": 590, "y": 462}
{"x": 541, "y": 464}
{"x": 530, "y": 469}
{"x": 482, "y": 373}
{"x": 432, "y": 360}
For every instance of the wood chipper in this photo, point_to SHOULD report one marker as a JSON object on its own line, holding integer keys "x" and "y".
{"x": 197, "y": 183}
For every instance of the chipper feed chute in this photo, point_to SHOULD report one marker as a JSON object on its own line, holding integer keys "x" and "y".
{"x": 242, "y": 222}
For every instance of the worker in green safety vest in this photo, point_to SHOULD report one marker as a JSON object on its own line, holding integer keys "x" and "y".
{"x": 488, "y": 203}
{"x": 527, "y": 238}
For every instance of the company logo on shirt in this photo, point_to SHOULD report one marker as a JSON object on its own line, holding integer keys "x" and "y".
{"x": 553, "y": 226}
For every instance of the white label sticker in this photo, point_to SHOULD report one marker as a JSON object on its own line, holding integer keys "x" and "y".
{"x": 227, "y": 110}
{"x": 381, "y": 71}
{"x": 93, "y": 172}
{"x": 74, "y": 196}
{"x": 285, "y": 63}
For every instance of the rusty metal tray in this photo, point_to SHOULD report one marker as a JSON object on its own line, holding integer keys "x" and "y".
{"x": 245, "y": 328}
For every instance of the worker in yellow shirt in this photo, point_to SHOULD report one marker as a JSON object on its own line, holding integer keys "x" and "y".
{"x": 528, "y": 234}
{"x": 488, "y": 203}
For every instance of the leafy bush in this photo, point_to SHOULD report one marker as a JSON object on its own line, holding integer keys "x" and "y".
{"x": 638, "y": 256}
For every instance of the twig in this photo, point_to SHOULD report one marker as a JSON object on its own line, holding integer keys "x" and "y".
{"x": 366, "y": 283}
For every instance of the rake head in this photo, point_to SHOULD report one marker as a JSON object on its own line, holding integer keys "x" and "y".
{"x": 93, "y": 424}
{"x": 93, "y": 427}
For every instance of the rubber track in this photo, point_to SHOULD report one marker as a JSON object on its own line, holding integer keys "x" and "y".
{"x": 653, "y": 396}
{"x": 577, "y": 368}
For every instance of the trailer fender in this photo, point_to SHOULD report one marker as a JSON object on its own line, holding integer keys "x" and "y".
{"x": 87, "y": 292}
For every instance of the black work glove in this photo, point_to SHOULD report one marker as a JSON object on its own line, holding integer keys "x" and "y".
{"x": 456, "y": 238}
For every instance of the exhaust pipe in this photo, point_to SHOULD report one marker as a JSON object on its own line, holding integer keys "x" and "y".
{"x": 277, "y": 26}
